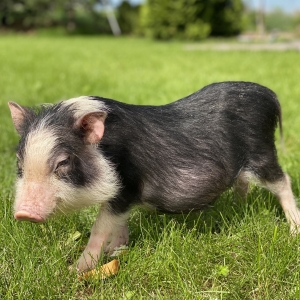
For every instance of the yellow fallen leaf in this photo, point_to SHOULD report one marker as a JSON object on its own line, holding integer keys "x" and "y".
{"x": 102, "y": 272}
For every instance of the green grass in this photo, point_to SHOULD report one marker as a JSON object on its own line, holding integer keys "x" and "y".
{"x": 234, "y": 250}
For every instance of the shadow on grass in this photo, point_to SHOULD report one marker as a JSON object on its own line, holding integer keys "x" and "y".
{"x": 225, "y": 214}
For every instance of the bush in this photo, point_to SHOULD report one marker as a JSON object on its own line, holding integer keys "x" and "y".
{"x": 76, "y": 16}
{"x": 90, "y": 23}
{"x": 197, "y": 31}
{"x": 191, "y": 19}
{"x": 166, "y": 19}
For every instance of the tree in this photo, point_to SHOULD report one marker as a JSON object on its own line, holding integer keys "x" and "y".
{"x": 191, "y": 19}
{"x": 76, "y": 16}
{"x": 279, "y": 20}
{"x": 167, "y": 19}
{"x": 26, "y": 14}
{"x": 127, "y": 16}
{"x": 226, "y": 18}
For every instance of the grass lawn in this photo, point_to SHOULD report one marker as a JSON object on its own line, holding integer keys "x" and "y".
{"x": 234, "y": 250}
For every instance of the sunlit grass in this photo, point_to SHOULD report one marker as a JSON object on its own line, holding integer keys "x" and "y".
{"x": 234, "y": 250}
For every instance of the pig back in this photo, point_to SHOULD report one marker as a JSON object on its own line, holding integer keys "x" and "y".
{"x": 181, "y": 156}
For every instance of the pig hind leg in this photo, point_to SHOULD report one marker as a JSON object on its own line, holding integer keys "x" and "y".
{"x": 241, "y": 185}
{"x": 282, "y": 189}
{"x": 267, "y": 173}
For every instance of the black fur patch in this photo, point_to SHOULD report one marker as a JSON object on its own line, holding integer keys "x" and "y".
{"x": 190, "y": 151}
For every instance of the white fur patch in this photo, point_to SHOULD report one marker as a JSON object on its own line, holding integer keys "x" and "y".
{"x": 35, "y": 191}
{"x": 84, "y": 105}
{"x": 39, "y": 146}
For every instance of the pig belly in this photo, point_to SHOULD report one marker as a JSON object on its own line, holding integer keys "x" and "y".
{"x": 177, "y": 206}
{"x": 176, "y": 200}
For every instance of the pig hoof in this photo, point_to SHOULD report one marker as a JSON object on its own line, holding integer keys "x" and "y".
{"x": 86, "y": 262}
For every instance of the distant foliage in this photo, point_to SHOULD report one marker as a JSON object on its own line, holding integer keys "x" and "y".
{"x": 127, "y": 16}
{"x": 22, "y": 14}
{"x": 274, "y": 21}
{"x": 279, "y": 20}
{"x": 191, "y": 19}
{"x": 76, "y": 16}
{"x": 160, "y": 19}
{"x": 226, "y": 17}
{"x": 166, "y": 19}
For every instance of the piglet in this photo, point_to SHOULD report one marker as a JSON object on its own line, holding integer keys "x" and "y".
{"x": 174, "y": 158}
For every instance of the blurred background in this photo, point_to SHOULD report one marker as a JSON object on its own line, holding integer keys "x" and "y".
{"x": 193, "y": 20}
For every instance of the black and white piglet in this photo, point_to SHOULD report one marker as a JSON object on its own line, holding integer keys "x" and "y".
{"x": 175, "y": 158}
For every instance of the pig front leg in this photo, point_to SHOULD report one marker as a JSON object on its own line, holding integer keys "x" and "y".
{"x": 108, "y": 232}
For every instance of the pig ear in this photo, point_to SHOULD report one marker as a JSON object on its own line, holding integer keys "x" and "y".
{"x": 18, "y": 114}
{"x": 93, "y": 126}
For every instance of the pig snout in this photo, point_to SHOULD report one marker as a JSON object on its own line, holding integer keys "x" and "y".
{"x": 34, "y": 202}
{"x": 23, "y": 215}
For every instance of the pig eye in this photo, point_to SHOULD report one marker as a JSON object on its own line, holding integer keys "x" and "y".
{"x": 62, "y": 169}
{"x": 63, "y": 163}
